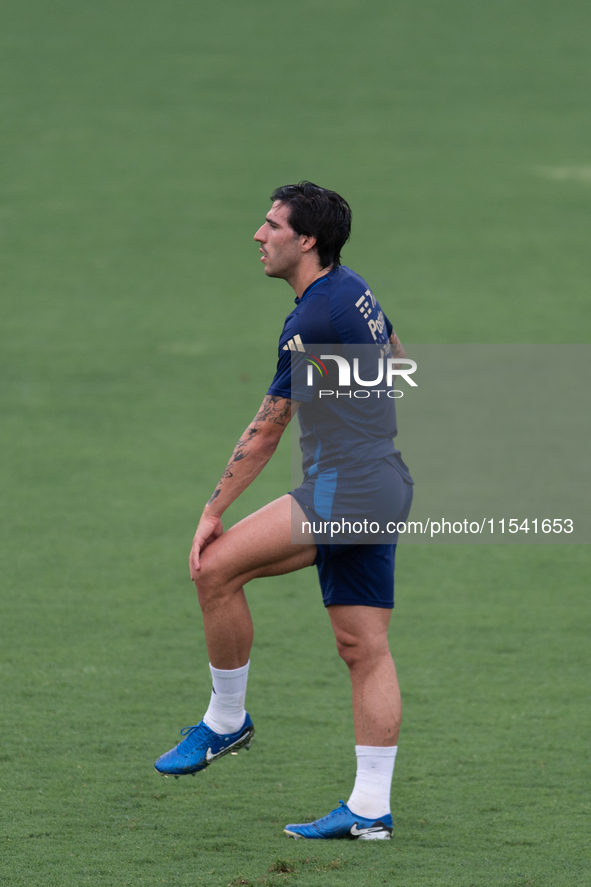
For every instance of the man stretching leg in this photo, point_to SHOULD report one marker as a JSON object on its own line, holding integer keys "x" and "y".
{"x": 300, "y": 241}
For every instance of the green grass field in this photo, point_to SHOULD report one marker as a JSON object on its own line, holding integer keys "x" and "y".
{"x": 140, "y": 144}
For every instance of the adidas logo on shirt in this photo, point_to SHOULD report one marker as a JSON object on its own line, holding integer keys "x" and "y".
{"x": 294, "y": 344}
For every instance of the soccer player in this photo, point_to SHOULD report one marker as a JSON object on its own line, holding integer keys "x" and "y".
{"x": 350, "y": 462}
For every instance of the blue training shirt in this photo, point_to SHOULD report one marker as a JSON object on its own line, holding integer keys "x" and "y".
{"x": 337, "y": 311}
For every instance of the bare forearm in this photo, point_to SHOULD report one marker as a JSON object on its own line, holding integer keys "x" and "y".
{"x": 252, "y": 452}
{"x": 250, "y": 456}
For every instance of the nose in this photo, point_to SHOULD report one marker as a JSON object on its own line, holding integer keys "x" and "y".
{"x": 259, "y": 236}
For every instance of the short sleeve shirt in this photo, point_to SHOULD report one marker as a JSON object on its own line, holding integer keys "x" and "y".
{"x": 338, "y": 310}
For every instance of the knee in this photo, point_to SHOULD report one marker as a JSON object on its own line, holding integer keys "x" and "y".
{"x": 208, "y": 581}
{"x": 349, "y": 648}
{"x": 360, "y": 652}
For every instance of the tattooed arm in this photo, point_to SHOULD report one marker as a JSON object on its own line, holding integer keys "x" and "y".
{"x": 251, "y": 454}
{"x": 253, "y": 451}
{"x": 397, "y": 349}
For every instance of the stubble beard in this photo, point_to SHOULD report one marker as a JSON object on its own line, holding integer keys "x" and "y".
{"x": 280, "y": 269}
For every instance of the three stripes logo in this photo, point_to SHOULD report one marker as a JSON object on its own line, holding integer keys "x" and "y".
{"x": 294, "y": 344}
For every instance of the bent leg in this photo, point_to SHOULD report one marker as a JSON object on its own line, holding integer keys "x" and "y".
{"x": 362, "y": 641}
{"x": 260, "y": 545}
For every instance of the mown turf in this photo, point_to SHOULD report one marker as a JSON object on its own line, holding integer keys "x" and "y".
{"x": 138, "y": 335}
{"x": 491, "y": 782}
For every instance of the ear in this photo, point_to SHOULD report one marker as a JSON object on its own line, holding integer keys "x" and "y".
{"x": 307, "y": 242}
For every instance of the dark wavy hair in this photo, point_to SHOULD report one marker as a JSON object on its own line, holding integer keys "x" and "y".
{"x": 320, "y": 213}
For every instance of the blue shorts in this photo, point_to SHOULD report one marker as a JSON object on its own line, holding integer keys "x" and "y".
{"x": 358, "y": 575}
{"x": 350, "y": 572}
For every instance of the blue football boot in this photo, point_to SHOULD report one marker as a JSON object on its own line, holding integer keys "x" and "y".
{"x": 341, "y": 823}
{"x": 201, "y": 747}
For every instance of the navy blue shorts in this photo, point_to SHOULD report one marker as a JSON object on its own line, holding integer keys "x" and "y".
{"x": 354, "y": 572}
{"x": 359, "y": 575}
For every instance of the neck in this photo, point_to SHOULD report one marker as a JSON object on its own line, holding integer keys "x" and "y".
{"x": 301, "y": 278}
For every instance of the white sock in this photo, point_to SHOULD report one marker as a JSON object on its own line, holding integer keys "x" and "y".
{"x": 226, "y": 708}
{"x": 371, "y": 793}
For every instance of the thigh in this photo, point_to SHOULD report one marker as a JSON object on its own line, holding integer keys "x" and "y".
{"x": 259, "y": 545}
{"x": 367, "y": 626}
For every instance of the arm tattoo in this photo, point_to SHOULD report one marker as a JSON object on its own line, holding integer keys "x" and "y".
{"x": 397, "y": 349}
{"x": 275, "y": 410}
